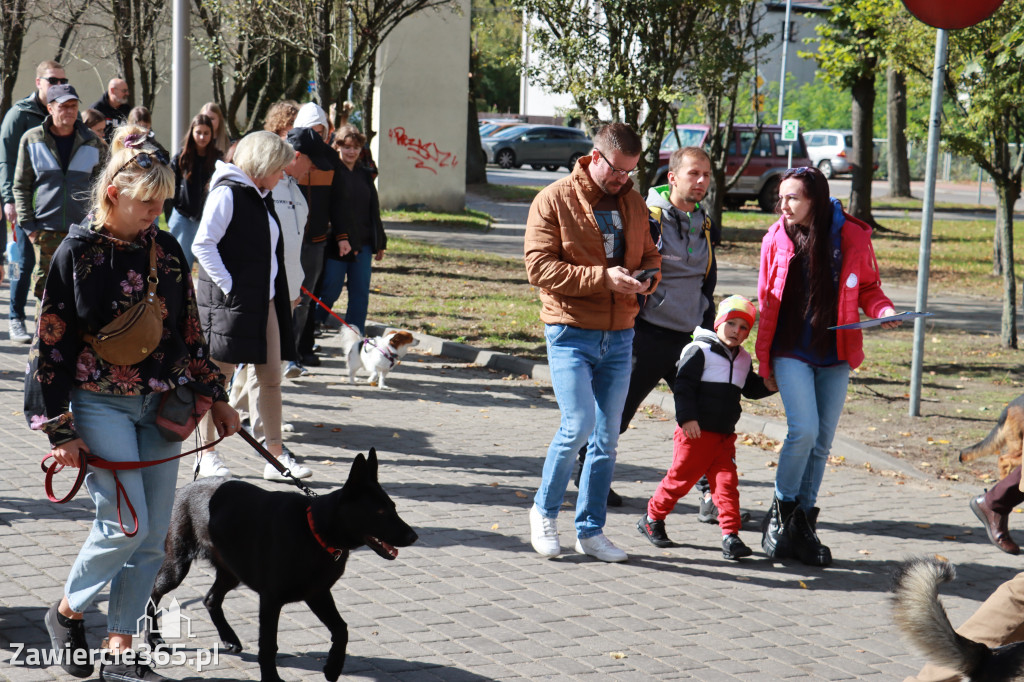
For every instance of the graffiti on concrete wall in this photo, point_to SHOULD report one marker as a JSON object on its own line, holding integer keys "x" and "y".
{"x": 425, "y": 154}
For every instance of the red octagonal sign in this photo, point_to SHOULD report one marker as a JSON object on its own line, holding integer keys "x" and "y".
{"x": 951, "y": 14}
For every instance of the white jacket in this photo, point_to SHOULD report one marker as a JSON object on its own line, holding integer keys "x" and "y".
{"x": 293, "y": 211}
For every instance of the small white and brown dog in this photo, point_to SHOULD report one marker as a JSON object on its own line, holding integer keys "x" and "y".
{"x": 377, "y": 355}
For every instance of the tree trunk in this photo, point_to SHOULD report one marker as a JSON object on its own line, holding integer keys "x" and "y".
{"x": 1007, "y": 197}
{"x": 896, "y": 106}
{"x": 14, "y": 22}
{"x": 863, "y": 150}
{"x": 371, "y": 84}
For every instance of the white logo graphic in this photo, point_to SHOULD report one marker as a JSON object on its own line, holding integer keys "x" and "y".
{"x": 167, "y": 623}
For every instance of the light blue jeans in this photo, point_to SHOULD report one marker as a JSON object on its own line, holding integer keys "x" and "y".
{"x": 123, "y": 429}
{"x": 184, "y": 230}
{"x": 354, "y": 276}
{"x": 590, "y": 377}
{"x": 813, "y": 398}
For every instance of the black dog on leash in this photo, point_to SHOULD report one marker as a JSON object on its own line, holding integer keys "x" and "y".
{"x": 284, "y": 545}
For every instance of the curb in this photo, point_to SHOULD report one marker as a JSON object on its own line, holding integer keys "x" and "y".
{"x": 855, "y": 453}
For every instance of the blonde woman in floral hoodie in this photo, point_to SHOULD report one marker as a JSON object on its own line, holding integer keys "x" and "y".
{"x": 87, "y": 405}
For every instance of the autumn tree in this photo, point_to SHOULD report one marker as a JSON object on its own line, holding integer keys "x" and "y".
{"x": 626, "y": 55}
{"x": 985, "y": 84}
{"x": 852, "y": 46}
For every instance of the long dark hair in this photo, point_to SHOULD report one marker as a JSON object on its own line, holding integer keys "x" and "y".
{"x": 815, "y": 242}
{"x": 189, "y": 157}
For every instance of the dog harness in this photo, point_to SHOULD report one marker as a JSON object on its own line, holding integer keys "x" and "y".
{"x": 390, "y": 356}
{"x": 336, "y": 553}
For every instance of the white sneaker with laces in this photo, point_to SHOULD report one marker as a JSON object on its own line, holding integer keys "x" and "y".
{"x": 17, "y": 331}
{"x": 600, "y": 547}
{"x": 271, "y": 473}
{"x": 209, "y": 463}
{"x": 544, "y": 534}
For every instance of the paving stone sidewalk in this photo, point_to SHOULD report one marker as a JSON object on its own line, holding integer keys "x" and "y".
{"x": 461, "y": 449}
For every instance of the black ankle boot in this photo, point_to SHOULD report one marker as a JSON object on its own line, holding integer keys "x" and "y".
{"x": 804, "y": 539}
{"x": 774, "y": 538}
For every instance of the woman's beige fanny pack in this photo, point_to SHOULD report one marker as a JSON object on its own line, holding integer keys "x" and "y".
{"x": 134, "y": 334}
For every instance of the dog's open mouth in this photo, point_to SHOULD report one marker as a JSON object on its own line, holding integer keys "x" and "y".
{"x": 383, "y": 549}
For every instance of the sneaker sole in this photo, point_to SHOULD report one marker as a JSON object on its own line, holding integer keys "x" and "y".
{"x": 543, "y": 553}
{"x": 617, "y": 560}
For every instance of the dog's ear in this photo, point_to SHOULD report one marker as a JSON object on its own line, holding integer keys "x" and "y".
{"x": 371, "y": 464}
{"x": 358, "y": 471}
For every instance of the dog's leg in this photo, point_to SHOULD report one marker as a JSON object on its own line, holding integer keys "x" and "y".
{"x": 177, "y": 561}
{"x": 323, "y": 607}
{"x": 380, "y": 380}
{"x": 214, "y": 601}
{"x": 270, "y": 614}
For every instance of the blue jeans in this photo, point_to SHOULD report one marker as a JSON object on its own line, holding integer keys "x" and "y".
{"x": 590, "y": 377}
{"x": 123, "y": 429}
{"x": 357, "y": 274}
{"x": 184, "y": 230}
{"x": 813, "y": 398}
{"x": 20, "y": 284}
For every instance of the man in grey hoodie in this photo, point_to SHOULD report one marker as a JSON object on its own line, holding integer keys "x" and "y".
{"x": 683, "y": 300}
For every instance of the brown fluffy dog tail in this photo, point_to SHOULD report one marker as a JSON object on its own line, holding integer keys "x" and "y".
{"x": 995, "y": 441}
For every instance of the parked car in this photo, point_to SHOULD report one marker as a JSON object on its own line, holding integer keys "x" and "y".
{"x": 489, "y": 128}
{"x": 832, "y": 151}
{"x": 549, "y": 147}
{"x": 760, "y": 179}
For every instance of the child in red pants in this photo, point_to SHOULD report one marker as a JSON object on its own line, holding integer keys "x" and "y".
{"x": 713, "y": 372}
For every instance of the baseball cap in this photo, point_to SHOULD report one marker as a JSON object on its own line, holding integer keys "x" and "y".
{"x": 306, "y": 141}
{"x": 64, "y": 92}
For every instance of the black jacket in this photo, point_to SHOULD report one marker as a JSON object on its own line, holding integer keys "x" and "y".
{"x": 189, "y": 194}
{"x": 710, "y": 380}
{"x": 362, "y": 206}
{"x": 115, "y": 115}
{"x": 235, "y": 324}
{"x": 93, "y": 278}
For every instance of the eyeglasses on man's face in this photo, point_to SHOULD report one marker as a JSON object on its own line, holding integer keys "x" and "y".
{"x": 618, "y": 171}
{"x": 53, "y": 80}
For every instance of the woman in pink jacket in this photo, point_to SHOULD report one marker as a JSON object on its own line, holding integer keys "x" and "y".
{"x": 817, "y": 269}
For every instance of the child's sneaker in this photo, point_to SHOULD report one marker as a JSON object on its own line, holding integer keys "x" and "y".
{"x": 654, "y": 531}
{"x": 708, "y": 512}
{"x": 733, "y": 547}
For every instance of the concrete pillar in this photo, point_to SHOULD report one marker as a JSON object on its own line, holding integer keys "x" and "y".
{"x": 419, "y": 111}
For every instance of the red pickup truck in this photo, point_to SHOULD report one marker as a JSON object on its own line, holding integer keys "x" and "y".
{"x": 760, "y": 179}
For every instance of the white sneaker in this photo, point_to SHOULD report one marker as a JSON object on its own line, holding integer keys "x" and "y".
{"x": 208, "y": 463}
{"x": 17, "y": 332}
{"x": 544, "y": 533}
{"x": 271, "y": 473}
{"x": 600, "y": 547}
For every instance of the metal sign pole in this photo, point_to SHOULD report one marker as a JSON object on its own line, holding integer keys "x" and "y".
{"x": 927, "y": 211}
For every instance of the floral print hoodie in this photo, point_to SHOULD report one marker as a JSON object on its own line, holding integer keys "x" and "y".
{"x": 93, "y": 278}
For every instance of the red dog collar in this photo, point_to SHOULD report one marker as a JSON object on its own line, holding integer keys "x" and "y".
{"x": 336, "y": 553}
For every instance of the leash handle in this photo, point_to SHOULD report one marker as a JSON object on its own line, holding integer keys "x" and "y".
{"x": 274, "y": 462}
{"x": 95, "y": 460}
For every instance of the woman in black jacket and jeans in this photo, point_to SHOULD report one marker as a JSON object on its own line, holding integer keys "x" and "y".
{"x": 365, "y": 234}
{"x": 193, "y": 168}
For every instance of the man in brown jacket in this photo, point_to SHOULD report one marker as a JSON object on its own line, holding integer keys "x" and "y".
{"x": 587, "y": 247}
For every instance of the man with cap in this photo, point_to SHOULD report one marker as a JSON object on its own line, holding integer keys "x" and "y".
{"x": 714, "y": 371}
{"x": 324, "y": 190}
{"x": 57, "y": 163}
{"x": 24, "y": 114}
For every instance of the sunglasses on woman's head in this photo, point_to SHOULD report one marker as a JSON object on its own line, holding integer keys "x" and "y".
{"x": 145, "y": 161}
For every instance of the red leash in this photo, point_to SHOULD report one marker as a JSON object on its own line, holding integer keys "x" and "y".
{"x": 100, "y": 463}
{"x": 328, "y": 309}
